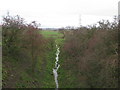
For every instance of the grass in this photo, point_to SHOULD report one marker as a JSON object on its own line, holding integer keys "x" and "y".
{"x": 28, "y": 79}
{"x": 51, "y": 33}
{"x": 4, "y": 75}
{"x": 0, "y": 43}
{"x": 48, "y": 81}
{"x": 43, "y": 76}
{"x": 64, "y": 75}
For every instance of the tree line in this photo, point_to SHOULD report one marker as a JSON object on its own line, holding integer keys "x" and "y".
{"x": 90, "y": 56}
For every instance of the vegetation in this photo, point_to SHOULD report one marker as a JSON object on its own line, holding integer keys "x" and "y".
{"x": 88, "y": 55}
{"x": 28, "y": 54}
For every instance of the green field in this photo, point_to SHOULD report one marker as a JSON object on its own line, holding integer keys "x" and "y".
{"x": 53, "y": 34}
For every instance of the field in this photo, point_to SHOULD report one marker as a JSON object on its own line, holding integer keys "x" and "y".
{"x": 53, "y": 34}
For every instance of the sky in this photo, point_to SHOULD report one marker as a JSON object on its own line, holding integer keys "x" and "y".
{"x": 61, "y": 13}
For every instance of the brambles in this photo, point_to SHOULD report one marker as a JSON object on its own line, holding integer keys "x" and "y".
{"x": 23, "y": 46}
{"x": 90, "y": 55}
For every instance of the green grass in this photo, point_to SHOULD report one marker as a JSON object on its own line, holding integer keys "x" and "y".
{"x": 4, "y": 75}
{"x": 28, "y": 79}
{"x": 0, "y": 43}
{"x": 64, "y": 75}
{"x": 43, "y": 76}
{"x": 59, "y": 41}
{"x": 48, "y": 81}
{"x": 51, "y": 33}
{"x": 25, "y": 81}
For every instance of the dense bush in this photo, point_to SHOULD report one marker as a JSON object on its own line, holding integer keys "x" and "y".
{"x": 91, "y": 55}
{"x": 21, "y": 41}
{"x": 11, "y": 35}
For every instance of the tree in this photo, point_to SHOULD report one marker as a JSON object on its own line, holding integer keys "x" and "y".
{"x": 12, "y": 29}
{"x": 34, "y": 43}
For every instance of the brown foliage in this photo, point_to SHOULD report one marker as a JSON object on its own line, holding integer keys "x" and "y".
{"x": 91, "y": 53}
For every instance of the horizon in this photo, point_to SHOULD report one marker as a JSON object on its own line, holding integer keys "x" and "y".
{"x": 61, "y": 13}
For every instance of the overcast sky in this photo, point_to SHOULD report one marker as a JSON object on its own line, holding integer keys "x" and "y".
{"x": 61, "y": 13}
